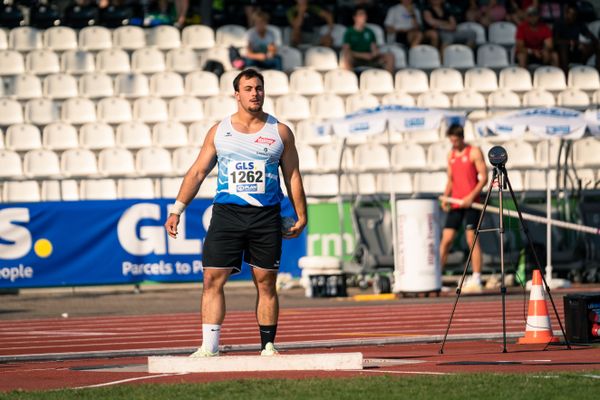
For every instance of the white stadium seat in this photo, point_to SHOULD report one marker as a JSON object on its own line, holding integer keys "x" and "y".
{"x": 291, "y": 57}
{"x": 202, "y": 84}
{"x": 379, "y": 33}
{"x": 504, "y": 98}
{"x": 469, "y": 99}
{"x": 42, "y": 62}
{"x": 522, "y": 154}
{"x": 186, "y": 109}
{"x": 541, "y": 152}
{"x": 516, "y": 79}
{"x": 321, "y": 185}
{"x": 231, "y": 35}
{"x": 169, "y": 187}
{"x": 433, "y": 99}
{"x": 276, "y": 82}
{"x": 584, "y": 78}
{"x": 337, "y": 34}
{"x": 95, "y": 85}
{"x": 218, "y": 107}
{"x": 41, "y": 163}
{"x": 10, "y": 112}
{"x": 132, "y": 85}
{"x": 77, "y": 62}
{"x": 153, "y": 161}
{"x": 113, "y": 110}
{"x": 116, "y": 162}
{"x": 78, "y": 110}
{"x": 321, "y": 58}
{"x": 141, "y": 188}
{"x": 26, "y": 87}
{"x": 446, "y": 80}
{"x": 169, "y": 135}
{"x": 306, "y": 81}
{"x": 366, "y": 184}
{"x": 133, "y": 135}
{"x": 376, "y": 81}
{"x": 3, "y": 40}
{"x": 437, "y": 155}
{"x": 328, "y": 157}
{"x": 183, "y": 158}
{"x": 197, "y": 132}
{"x": 166, "y": 84}
{"x": 164, "y": 37}
{"x": 585, "y": 152}
{"x": 481, "y": 80}
{"x": 412, "y": 81}
{"x": 96, "y": 136}
{"x": 292, "y": 107}
{"x": 10, "y": 164}
{"x": 226, "y": 82}
{"x": 359, "y": 101}
{"x": 475, "y": 27}
{"x": 458, "y": 56}
{"x": 398, "y": 52}
{"x": 78, "y": 162}
{"x": 113, "y": 61}
{"x": 182, "y": 60}
{"x": 371, "y": 156}
{"x": 408, "y": 156}
{"x": 217, "y": 53}
{"x": 430, "y": 182}
{"x": 399, "y": 182}
{"x": 538, "y": 98}
{"x": 574, "y": 98}
{"x": 308, "y": 157}
{"x": 25, "y": 38}
{"x": 341, "y": 82}
{"x": 60, "y": 38}
{"x": 147, "y": 61}
{"x": 198, "y": 37}
{"x": 502, "y": 33}
{"x": 60, "y": 86}
{"x": 327, "y": 105}
{"x": 424, "y": 57}
{"x": 306, "y": 132}
{"x": 98, "y": 189}
{"x": 51, "y": 190}
{"x": 42, "y": 111}
{"x": 549, "y": 78}
{"x": 11, "y": 63}
{"x": 23, "y": 137}
{"x": 492, "y": 56}
{"x": 60, "y": 136}
{"x": 536, "y": 180}
{"x": 23, "y": 191}
{"x": 95, "y": 38}
{"x": 129, "y": 37}
{"x": 208, "y": 188}
{"x": 399, "y": 99}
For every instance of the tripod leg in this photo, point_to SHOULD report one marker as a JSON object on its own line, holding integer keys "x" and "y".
{"x": 535, "y": 256}
{"x": 501, "y": 179}
{"x": 468, "y": 263}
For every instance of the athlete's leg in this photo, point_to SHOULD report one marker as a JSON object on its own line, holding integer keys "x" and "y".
{"x": 448, "y": 235}
{"x": 267, "y": 305}
{"x": 213, "y": 296}
{"x": 476, "y": 257}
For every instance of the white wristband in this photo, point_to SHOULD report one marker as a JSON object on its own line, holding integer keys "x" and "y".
{"x": 178, "y": 207}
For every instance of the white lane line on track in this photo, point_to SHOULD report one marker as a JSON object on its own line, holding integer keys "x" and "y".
{"x": 139, "y": 378}
{"x": 385, "y": 371}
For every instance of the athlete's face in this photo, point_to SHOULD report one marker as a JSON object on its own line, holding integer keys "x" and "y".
{"x": 251, "y": 94}
{"x": 458, "y": 142}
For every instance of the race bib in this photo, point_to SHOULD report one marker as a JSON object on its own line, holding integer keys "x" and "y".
{"x": 246, "y": 177}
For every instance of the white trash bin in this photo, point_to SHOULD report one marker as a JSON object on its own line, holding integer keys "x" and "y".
{"x": 416, "y": 251}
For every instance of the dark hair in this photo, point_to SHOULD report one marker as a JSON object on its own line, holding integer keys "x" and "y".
{"x": 455, "y": 130}
{"x": 248, "y": 74}
{"x": 358, "y": 9}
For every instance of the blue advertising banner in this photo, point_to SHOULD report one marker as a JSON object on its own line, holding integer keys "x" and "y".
{"x": 110, "y": 242}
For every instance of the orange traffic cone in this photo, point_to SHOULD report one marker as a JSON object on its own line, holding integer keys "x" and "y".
{"x": 538, "y": 329}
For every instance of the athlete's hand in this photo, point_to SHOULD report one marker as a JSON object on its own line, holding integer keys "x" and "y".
{"x": 445, "y": 206}
{"x": 171, "y": 225}
{"x": 295, "y": 230}
{"x": 466, "y": 202}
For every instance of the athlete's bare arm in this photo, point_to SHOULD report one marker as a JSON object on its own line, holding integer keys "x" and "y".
{"x": 194, "y": 177}
{"x": 448, "y": 190}
{"x": 478, "y": 160}
{"x": 293, "y": 180}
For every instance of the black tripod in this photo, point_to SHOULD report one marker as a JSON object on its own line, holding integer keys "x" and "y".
{"x": 498, "y": 157}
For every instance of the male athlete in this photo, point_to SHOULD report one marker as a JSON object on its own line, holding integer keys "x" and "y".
{"x": 467, "y": 175}
{"x": 249, "y": 147}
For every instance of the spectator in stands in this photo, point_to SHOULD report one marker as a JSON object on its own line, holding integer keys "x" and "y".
{"x": 440, "y": 27}
{"x": 567, "y": 36}
{"x": 518, "y": 9}
{"x": 467, "y": 175}
{"x": 404, "y": 21}
{"x": 360, "y": 46}
{"x": 486, "y": 12}
{"x": 534, "y": 41}
{"x": 261, "y": 50}
{"x": 305, "y": 18}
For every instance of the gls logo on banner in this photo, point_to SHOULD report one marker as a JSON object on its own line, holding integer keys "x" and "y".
{"x": 15, "y": 239}
{"x": 154, "y": 239}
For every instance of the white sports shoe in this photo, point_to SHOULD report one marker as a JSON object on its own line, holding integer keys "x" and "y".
{"x": 269, "y": 350}
{"x": 202, "y": 352}
{"x": 472, "y": 286}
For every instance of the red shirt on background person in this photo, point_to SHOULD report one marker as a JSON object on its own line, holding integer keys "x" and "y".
{"x": 534, "y": 41}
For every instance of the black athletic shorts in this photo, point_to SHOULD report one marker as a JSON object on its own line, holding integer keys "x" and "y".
{"x": 457, "y": 215}
{"x": 243, "y": 232}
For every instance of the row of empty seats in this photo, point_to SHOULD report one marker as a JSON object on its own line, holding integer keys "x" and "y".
{"x": 316, "y": 185}
{"x": 157, "y": 161}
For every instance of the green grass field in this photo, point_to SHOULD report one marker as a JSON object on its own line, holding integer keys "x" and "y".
{"x": 461, "y": 386}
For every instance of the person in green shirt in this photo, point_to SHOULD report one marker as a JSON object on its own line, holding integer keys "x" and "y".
{"x": 360, "y": 46}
